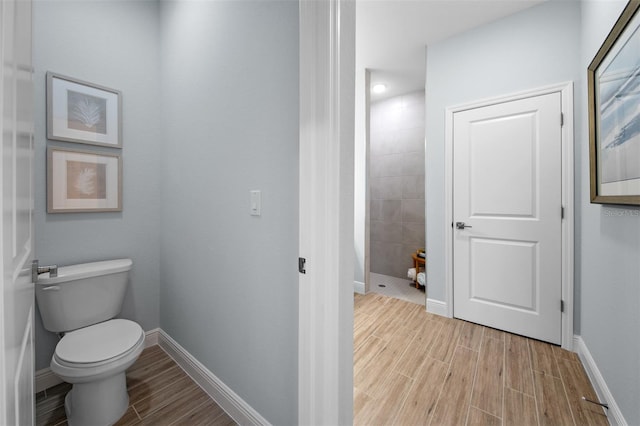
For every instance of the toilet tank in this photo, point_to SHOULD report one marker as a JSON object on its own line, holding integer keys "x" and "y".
{"x": 82, "y": 295}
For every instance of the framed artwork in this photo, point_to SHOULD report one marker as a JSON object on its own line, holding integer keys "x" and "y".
{"x": 83, "y": 181}
{"x": 614, "y": 113}
{"x": 83, "y": 112}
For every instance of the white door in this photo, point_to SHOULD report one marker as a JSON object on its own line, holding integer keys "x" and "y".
{"x": 507, "y": 198}
{"x": 16, "y": 297}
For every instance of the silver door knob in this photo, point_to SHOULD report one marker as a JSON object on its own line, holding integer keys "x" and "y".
{"x": 461, "y": 225}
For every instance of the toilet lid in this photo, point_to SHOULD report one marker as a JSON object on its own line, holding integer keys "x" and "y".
{"x": 99, "y": 342}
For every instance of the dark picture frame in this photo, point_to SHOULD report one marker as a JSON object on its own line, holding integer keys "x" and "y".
{"x": 614, "y": 113}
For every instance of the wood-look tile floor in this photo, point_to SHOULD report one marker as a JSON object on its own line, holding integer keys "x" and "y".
{"x": 415, "y": 368}
{"x": 160, "y": 393}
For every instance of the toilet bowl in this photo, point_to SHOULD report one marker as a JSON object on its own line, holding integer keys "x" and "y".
{"x": 96, "y": 349}
{"x": 94, "y": 360}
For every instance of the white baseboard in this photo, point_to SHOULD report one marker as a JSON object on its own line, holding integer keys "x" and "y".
{"x": 614, "y": 415}
{"x": 151, "y": 337}
{"x": 46, "y": 379}
{"x": 226, "y": 398}
{"x": 358, "y": 287}
{"x": 437, "y": 307}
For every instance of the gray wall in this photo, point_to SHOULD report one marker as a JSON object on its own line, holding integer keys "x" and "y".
{"x": 534, "y": 48}
{"x": 114, "y": 44}
{"x": 607, "y": 250}
{"x": 397, "y": 183}
{"x": 229, "y": 291}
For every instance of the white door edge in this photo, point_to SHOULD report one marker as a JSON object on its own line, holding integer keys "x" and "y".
{"x": 325, "y": 324}
{"x": 566, "y": 93}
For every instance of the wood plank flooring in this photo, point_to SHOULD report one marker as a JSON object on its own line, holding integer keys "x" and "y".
{"x": 160, "y": 393}
{"x": 415, "y": 368}
{"x": 410, "y": 368}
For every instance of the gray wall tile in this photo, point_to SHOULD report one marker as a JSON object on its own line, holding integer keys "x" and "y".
{"x": 413, "y": 187}
{"x": 387, "y": 165}
{"x": 413, "y": 164}
{"x": 390, "y": 258}
{"x": 396, "y": 171}
{"x": 413, "y": 234}
{"x": 411, "y": 140}
{"x": 413, "y": 211}
{"x": 386, "y": 188}
{"x": 386, "y": 210}
{"x": 387, "y": 232}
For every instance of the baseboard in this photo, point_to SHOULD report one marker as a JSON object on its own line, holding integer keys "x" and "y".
{"x": 358, "y": 287}
{"x": 151, "y": 337}
{"x": 46, "y": 379}
{"x": 614, "y": 415}
{"x": 437, "y": 307}
{"x": 227, "y": 399}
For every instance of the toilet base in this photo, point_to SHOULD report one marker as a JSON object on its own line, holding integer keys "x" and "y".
{"x": 101, "y": 402}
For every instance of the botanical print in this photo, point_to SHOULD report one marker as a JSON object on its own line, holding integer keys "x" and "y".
{"x": 619, "y": 92}
{"x": 86, "y": 112}
{"x": 86, "y": 180}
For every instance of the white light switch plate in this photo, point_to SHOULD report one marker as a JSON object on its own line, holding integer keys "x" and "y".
{"x": 256, "y": 204}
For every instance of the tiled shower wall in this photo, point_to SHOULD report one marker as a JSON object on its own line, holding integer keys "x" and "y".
{"x": 396, "y": 172}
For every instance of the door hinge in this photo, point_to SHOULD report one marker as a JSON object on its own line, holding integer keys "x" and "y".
{"x": 561, "y": 119}
{"x": 562, "y": 212}
{"x": 562, "y": 306}
{"x": 301, "y": 265}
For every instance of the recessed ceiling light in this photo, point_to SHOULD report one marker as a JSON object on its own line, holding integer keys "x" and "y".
{"x": 379, "y": 88}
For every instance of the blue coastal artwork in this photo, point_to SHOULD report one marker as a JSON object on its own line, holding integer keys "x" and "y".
{"x": 619, "y": 95}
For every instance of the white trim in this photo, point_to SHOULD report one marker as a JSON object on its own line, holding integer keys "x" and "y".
{"x": 367, "y": 183}
{"x": 46, "y": 379}
{"x": 226, "y": 398}
{"x": 566, "y": 93}
{"x": 326, "y": 224}
{"x": 151, "y": 337}
{"x": 358, "y": 287}
{"x": 437, "y": 307}
{"x": 614, "y": 415}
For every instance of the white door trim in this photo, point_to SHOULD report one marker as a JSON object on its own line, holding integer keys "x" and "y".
{"x": 325, "y": 336}
{"x": 566, "y": 92}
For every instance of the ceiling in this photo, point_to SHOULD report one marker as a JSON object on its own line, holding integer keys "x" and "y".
{"x": 391, "y": 35}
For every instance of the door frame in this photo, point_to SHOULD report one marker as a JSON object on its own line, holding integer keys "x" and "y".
{"x": 566, "y": 96}
{"x": 325, "y": 309}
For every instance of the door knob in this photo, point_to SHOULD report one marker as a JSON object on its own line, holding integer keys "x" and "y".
{"x": 461, "y": 225}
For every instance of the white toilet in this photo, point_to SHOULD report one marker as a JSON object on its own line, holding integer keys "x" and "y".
{"x": 81, "y": 302}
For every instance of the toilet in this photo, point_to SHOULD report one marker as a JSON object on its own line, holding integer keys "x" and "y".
{"x": 96, "y": 348}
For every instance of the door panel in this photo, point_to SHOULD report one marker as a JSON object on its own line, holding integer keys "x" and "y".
{"x": 493, "y": 195}
{"x": 515, "y": 286}
{"x": 17, "y": 295}
{"x": 507, "y": 191}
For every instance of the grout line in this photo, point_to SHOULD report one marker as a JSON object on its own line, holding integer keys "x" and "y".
{"x": 475, "y": 375}
{"x": 533, "y": 380}
{"x": 504, "y": 377}
{"x": 136, "y": 411}
{"x": 188, "y": 413}
{"x": 444, "y": 383}
{"x": 484, "y": 411}
{"x": 564, "y": 388}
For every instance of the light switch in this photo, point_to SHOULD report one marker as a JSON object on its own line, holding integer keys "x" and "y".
{"x": 255, "y": 203}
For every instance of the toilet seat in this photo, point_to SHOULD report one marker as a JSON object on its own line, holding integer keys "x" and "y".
{"x": 99, "y": 344}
